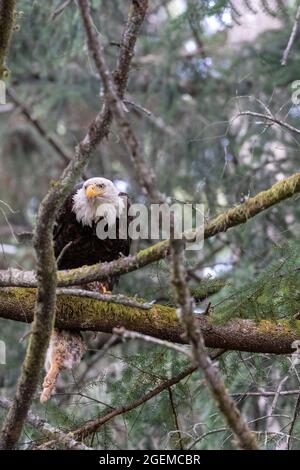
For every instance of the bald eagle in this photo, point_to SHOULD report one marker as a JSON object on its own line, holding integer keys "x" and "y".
{"x": 77, "y": 243}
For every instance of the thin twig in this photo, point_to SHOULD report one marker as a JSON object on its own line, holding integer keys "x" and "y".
{"x": 63, "y": 252}
{"x": 272, "y": 119}
{"x": 277, "y": 394}
{"x": 60, "y": 9}
{"x": 138, "y": 107}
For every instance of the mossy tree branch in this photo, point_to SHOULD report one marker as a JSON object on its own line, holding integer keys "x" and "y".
{"x": 233, "y": 217}
{"x": 7, "y": 21}
{"x": 46, "y": 277}
{"x": 160, "y": 321}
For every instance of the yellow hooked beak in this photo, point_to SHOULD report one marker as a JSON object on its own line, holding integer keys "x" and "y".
{"x": 92, "y": 191}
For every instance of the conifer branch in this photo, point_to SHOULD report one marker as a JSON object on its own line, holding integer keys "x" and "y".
{"x": 47, "y": 429}
{"x": 95, "y": 424}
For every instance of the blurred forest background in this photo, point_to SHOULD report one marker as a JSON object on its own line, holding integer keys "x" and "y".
{"x": 198, "y": 64}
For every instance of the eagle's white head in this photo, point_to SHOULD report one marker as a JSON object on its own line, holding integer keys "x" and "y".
{"x": 98, "y": 197}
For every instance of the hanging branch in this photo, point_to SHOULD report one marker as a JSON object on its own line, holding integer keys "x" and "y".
{"x": 245, "y": 438}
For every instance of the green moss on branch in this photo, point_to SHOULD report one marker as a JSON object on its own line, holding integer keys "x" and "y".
{"x": 73, "y": 312}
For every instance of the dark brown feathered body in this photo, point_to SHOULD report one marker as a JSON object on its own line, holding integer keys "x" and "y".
{"x": 77, "y": 245}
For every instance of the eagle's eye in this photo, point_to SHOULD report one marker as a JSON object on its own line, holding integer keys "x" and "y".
{"x": 100, "y": 185}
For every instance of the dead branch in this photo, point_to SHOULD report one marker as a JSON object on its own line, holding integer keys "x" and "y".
{"x": 128, "y": 334}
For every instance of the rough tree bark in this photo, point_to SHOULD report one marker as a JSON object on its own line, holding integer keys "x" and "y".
{"x": 160, "y": 321}
{"x": 46, "y": 264}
